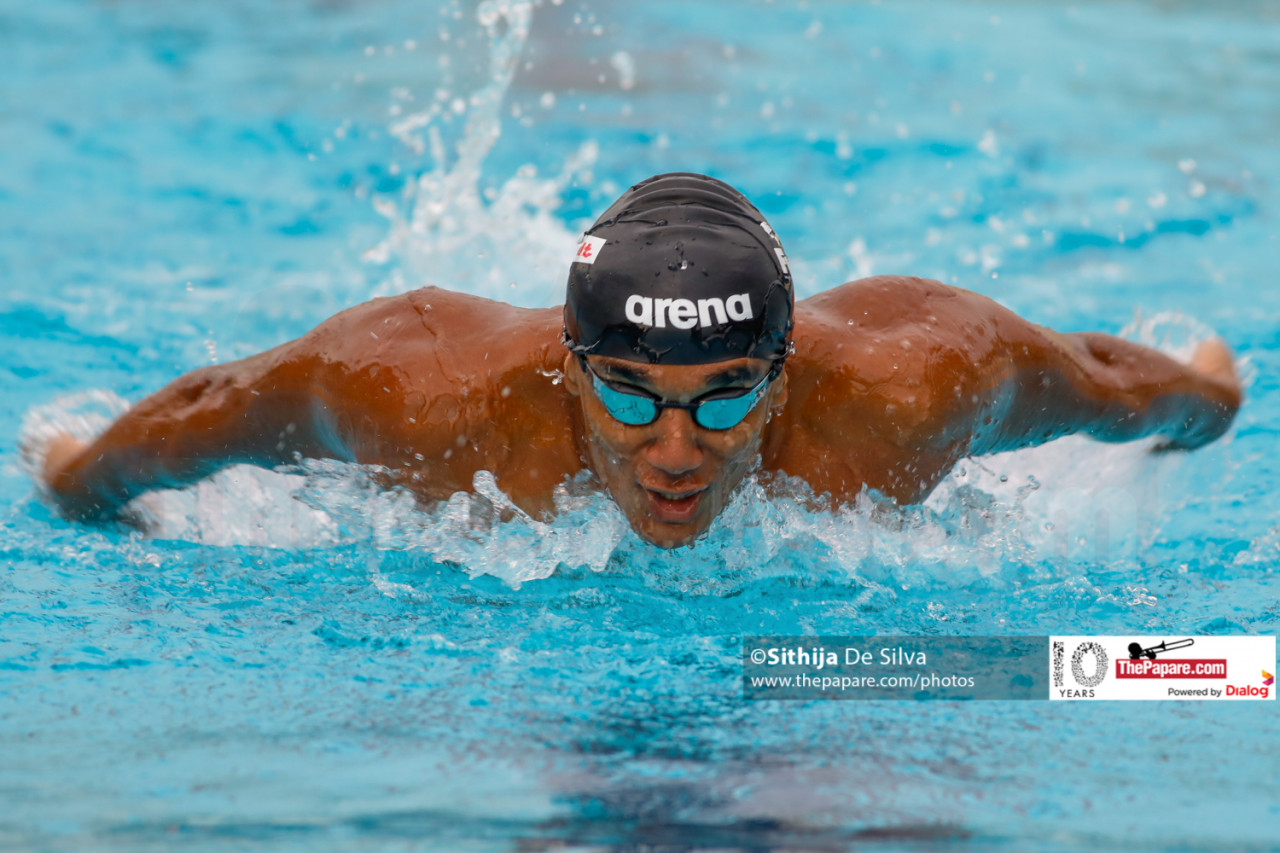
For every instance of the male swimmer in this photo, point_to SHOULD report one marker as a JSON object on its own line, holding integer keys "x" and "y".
{"x": 689, "y": 365}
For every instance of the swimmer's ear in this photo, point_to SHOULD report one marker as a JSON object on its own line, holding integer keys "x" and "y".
{"x": 571, "y": 374}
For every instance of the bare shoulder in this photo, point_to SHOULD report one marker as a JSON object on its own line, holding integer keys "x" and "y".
{"x": 902, "y": 302}
{"x": 901, "y": 354}
{"x": 430, "y": 332}
{"x": 368, "y": 330}
{"x": 432, "y": 375}
{"x": 888, "y": 383}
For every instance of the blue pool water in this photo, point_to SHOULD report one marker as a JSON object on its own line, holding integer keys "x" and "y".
{"x": 301, "y": 662}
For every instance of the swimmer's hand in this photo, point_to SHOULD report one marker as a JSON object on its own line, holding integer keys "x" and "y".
{"x": 59, "y": 453}
{"x": 1212, "y": 359}
{"x": 1213, "y": 364}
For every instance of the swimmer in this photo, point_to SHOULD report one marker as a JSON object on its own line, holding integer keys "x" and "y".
{"x": 679, "y": 364}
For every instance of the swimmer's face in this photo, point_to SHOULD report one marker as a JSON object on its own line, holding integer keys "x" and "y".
{"x": 672, "y": 477}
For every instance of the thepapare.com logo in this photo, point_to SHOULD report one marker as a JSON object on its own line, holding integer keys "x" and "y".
{"x": 1209, "y": 667}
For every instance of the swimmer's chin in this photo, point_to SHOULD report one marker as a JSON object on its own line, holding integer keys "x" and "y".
{"x": 671, "y": 520}
{"x": 669, "y": 536}
{"x": 671, "y": 544}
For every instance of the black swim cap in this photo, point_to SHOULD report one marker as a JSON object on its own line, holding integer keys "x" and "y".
{"x": 682, "y": 269}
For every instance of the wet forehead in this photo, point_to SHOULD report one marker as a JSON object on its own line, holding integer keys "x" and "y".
{"x": 671, "y": 380}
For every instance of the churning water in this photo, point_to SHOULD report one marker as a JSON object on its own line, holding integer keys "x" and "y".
{"x": 297, "y": 658}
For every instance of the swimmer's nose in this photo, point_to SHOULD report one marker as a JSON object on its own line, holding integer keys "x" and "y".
{"x": 675, "y": 449}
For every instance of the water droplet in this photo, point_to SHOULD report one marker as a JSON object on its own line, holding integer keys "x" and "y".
{"x": 626, "y": 68}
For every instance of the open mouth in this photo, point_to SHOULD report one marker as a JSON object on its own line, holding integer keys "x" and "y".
{"x": 673, "y": 507}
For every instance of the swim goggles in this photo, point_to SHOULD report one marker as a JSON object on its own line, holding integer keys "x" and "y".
{"x": 717, "y": 410}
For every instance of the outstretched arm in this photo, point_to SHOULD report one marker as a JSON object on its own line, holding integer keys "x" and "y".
{"x": 895, "y": 379}
{"x": 432, "y": 386}
{"x": 261, "y": 411}
{"x": 333, "y": 393}
{"x": 1110, "y": 389}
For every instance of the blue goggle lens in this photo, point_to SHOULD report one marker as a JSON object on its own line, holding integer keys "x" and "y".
{"x": 638, "y": 410}
{"x": 727, "y": 412}
{"x": 630, "y": 409}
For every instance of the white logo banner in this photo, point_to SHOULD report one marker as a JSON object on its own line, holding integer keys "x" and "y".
{"x": 1162, "y": 666}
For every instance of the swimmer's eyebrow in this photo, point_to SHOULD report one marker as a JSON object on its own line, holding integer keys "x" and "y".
{"x": 732, "y": 375}
{"x": 624, "y": 374}
{"x": 721, "y": 379}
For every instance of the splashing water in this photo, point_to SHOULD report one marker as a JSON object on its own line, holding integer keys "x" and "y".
{"x": 1041, "y": 511}
{"x": 444, "y": 222}
{"x": 1044, "y": 510}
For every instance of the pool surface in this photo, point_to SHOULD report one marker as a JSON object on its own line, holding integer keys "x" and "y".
{"x": 296, "y": 660}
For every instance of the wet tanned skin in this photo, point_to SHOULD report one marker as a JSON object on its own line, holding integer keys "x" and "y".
{"x": 893, "y": 381}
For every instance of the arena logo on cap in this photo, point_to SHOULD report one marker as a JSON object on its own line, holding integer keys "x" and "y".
{"x": 588, "y": 250}
{"x": 685, "y": 313}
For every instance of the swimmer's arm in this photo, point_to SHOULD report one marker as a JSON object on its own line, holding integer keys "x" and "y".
{"x": 261, "y": 411}
{"x": 1111, "y": 389}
